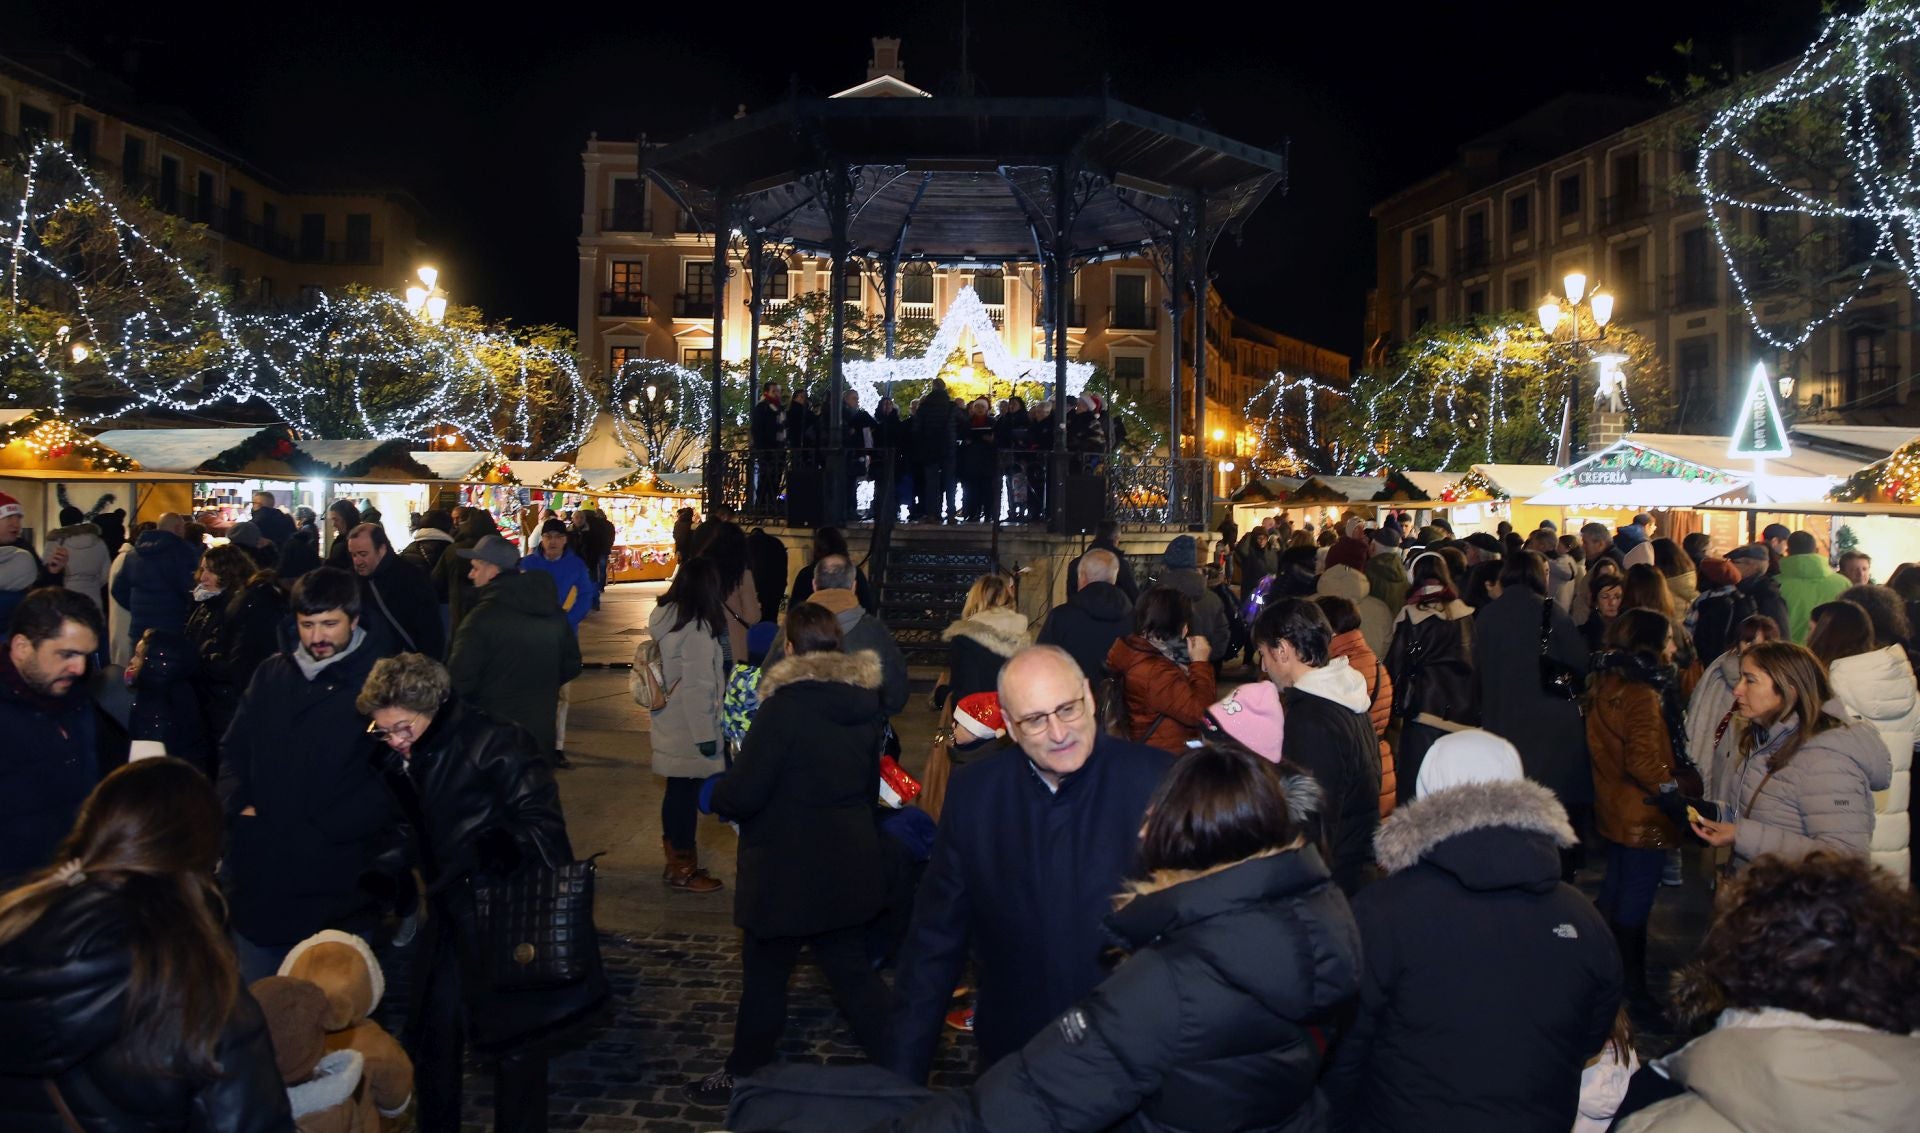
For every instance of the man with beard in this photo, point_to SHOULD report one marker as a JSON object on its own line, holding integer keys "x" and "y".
{"x": 58, "y": 743}
{"x": 308, "y": 815}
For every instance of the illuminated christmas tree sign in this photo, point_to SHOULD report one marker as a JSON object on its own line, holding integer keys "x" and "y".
{"x": 1760, "y": 432}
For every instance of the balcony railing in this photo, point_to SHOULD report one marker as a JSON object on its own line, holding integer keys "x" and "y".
{"x": 1472, "y": 257}
{"x": 1691, "y": 291}
{"x": 997, "y": 315}
{"x": 692, "y": 306}
{"x": 625, "y": 304}
{"x": 916, "y": 311}
{"x": 1132, "y": 318}
{"x": 626, "y": 219}
{"x": 1625, "y": 207}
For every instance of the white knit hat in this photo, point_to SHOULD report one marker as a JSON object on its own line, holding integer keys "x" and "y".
{"x": 1472, "y": 756}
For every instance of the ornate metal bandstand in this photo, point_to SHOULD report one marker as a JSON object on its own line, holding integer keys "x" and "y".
{"x": 1058, "y": 182}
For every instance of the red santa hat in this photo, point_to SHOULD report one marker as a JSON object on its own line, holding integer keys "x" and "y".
{"x": 978, "y": 717}
{"x": 10, "y": 507}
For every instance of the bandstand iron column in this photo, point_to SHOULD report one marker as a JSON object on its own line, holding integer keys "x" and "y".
{"x": 1199, "y": 256}
{"x": 1178, "y": 247}
{"x": 716, "y": 458}
{"x": 837, "y": 196}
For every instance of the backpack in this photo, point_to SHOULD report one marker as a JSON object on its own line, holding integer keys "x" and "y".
{"x": 1110, "y": 697}
{"x": 647, "y": 680}
{"x": 739, "y": 702}
{"x": 1236, "y": 622}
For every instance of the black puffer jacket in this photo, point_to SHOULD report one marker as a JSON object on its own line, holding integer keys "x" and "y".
{"x": 1204, "y": 1028}
{"x": 250, "y": 632}
{"x": 1087, "y": 624}
{"x": 63, "y": 997}
{"x": 166, "y": 707}
{"x": 1488, "y": 982}
{"x": 803, "y": 791}
{"x": 472, "y": 782}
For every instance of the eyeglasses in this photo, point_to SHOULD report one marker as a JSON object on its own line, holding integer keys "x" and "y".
{"x": 403, "y": 731}
{"x": 1068, "y": 713}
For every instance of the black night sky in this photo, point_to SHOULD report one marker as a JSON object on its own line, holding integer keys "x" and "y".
{"x": 481, "y": 110}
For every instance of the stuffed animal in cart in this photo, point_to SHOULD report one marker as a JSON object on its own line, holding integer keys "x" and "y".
{"x": 326, "y": 1090}
{"x": 343, "y": 967}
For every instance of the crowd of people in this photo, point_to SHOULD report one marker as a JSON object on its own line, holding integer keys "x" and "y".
{"x": 1287, "y": 837}
{"x": 272, "y": 755}
{"x": 943, "y": 459}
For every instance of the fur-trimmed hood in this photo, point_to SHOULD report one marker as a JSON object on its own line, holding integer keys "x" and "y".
{"x": 1504, "y": 816}
{"x": 861, "y": 670}
{"x": 1001, "y": 630}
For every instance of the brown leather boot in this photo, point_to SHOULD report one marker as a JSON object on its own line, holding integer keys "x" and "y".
{"x": 687, "y": 876}
{"x": 666, "y": 852}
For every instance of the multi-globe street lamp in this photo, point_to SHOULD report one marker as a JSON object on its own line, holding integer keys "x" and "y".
{"x": 425, "y": 301}
{"x": 1565, "y": 311}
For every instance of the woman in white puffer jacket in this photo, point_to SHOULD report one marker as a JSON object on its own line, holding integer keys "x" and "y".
{"x": 1876, "y": 684}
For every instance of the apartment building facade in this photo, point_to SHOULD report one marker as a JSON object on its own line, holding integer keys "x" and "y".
{"x": 270, "y": 243}
{"x": 1520, "y": 208}
{"x": 646, "y": 289}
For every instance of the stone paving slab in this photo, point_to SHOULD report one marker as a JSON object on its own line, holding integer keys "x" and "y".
{"x": 670, "y": 1022}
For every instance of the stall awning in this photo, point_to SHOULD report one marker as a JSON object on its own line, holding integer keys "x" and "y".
{"x": 1711, "y": 452}
{"x": 42, "y": 442}
{"x": 1640, "y": 494}
{"x": 1337, "y": 490}
{"x": 1265, "y": 489}
{"x": 359, "y": 460}
{"x": 195, "y": 451}
{"x": 461, "y": 467}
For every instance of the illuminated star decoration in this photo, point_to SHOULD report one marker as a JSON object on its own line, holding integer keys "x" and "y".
{"x": 868, "y": 378}
{"x": 181, "y": 346}
{"x": 1859, "y": 74}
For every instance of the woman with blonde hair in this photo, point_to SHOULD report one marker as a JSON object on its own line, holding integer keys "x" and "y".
{"x": 990, "y": 630}
{"x": 1804, "y": 776}
{"x": 121, "y": 1005}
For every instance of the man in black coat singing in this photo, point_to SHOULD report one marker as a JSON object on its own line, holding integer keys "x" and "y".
{"x": 1034, "y": 842}
{"x": 1328, "y": 731}
{"x": 767, "y": 431}
{"x": 308, "y": 815}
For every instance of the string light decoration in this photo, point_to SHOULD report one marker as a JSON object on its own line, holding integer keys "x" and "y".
{"x": 49, "y": 438}
{"x": 1627, "y": 458}
{"x": 1472, "y": 488}
{"x": 1895, "y": 480}
{"x": 967, "y": 315}
{"x": 662, "y": 414}
{"x": 150, "y": 332}
{"x": 1269, "y": 406}
{"x": 1858, "y": 78}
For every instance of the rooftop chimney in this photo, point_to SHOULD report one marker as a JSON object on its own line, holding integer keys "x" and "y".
{"x": 886, "y": 58}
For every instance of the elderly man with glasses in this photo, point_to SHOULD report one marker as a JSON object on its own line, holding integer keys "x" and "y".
{"x": 1034, "y": 842}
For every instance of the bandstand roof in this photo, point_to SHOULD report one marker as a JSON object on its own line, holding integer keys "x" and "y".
{"x": 953, "y": 178}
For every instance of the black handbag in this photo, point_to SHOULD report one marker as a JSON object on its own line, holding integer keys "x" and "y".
{"x": 533, "y": 929}
{"x": 1557, "y": 679}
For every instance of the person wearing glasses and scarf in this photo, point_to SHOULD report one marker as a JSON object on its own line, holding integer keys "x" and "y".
{"x": 1034, "y": 842}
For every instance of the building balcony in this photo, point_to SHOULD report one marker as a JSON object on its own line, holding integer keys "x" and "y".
{"x": 996, "y": 314}
{"x": 623, "y": 304}
{"x": 1692, "y": 291}
{"x": 1132, "y": 318}
{"x": 692, "y": 306}
{"x": 917, "y": 311}
{"x": 1626, "y": 207}
{"x": 626, "y": 219}
{"x": 1472, "y": 258}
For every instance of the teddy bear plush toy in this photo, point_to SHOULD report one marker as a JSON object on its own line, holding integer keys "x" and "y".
{"x": 326, "y": 1090}
{"x": 344, "y": 969}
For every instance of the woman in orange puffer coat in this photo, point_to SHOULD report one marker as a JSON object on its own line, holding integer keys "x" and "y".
{"x": 1351, "y": 643}
{"x": 1163, "y": 672}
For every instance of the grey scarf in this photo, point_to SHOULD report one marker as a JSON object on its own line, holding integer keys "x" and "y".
{"x": 311, "y": 667}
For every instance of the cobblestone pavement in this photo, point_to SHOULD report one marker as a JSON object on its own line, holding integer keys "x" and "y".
{"x": 670, "y": 1022}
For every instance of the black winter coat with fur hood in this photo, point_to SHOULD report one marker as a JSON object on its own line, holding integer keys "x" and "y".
{"x": 1206, "y": 1027}
{"x": 1488, "y": 983}
{"x": 803, "y": 791}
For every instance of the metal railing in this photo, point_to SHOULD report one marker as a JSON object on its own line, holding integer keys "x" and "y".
{"x": 626, "y": 219}
{"x": 1471, "y": 257}
{"x": 1132, "y": 318}
{"x": 790, "y": 486}
{"x": 1156, "y": 489}
{"x": 624, "y": 303}
{"x": 1692, "y": 290}
{"x": 692, "y": 306}
{"x": 1628, "y": 205}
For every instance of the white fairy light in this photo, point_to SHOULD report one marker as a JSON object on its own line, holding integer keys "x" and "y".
{"x": 1859, "y": 71}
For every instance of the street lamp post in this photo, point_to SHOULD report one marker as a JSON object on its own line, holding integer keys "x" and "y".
{"x": 425, "y": 301}
{"x": 1556, "y": 312}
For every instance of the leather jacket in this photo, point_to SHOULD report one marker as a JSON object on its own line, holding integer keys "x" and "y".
{"x": 63, "y": 997}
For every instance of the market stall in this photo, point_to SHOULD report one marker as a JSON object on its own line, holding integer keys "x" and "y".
{"x": 642, "y": 508}
{"x": 1489, "y": 493}
{"x": 1688, "y": 483}
{"x": 213, "y": 472}
{"x": 47, "y": 463}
